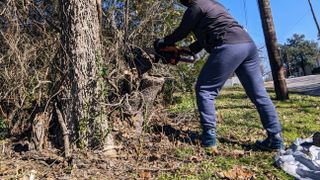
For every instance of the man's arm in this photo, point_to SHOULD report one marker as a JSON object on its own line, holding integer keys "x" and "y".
{"x": 190, "y": 19}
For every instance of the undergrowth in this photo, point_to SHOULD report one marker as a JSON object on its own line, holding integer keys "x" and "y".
{"x": 3, "y": 129}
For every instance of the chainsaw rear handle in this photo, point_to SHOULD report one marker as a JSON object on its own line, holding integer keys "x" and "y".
{"x": 178, "y": 54}
{"x": 175, "y": 61}
{"x": 185, "y": 51}
{"x": 191, "y": 59}
{"x": 170, "y": 49}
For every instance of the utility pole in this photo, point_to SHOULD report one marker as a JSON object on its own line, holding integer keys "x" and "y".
{"x": 277, "y": 69}
{"x": 315, "y": 18}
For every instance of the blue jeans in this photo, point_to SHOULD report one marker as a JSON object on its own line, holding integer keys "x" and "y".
{"x": 243, "y": 59}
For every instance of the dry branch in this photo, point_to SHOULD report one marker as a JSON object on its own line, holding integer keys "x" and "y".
{"x": 65, "y": 133}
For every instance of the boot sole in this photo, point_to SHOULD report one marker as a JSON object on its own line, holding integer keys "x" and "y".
{"x": 264, "y": 148}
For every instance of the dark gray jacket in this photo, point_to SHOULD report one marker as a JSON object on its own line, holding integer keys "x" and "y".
{"x": 211, "y": 24}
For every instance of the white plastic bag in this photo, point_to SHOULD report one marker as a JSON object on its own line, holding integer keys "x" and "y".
{"x": 301, "y": 160}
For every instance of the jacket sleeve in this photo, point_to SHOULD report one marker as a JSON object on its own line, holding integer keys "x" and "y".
{"x": 195, "y": 47}
{"x": 190, "y": 19}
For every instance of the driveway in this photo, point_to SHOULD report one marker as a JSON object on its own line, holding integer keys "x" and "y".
{"x": 309, "y": 85}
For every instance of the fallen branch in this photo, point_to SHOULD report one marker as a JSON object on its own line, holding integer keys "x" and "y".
{"x": 47, "y": 157}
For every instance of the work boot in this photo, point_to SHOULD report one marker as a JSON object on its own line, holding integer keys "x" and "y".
{"x": 208, "y": 138}
{"x": 274, "y": 142}
{"x": 208, "y": 142}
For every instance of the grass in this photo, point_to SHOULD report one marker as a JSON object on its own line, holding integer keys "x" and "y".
{"x": 238, "y": 127}
{"x": 185, "y": 152}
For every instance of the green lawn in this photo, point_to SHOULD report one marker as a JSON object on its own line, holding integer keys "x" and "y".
{"x": 238, "y": 128}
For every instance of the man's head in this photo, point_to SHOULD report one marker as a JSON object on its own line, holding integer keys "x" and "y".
{"x": 186, "y": 2}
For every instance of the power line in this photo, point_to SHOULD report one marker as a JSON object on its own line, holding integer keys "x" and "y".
{"x": 245, "y": 9}
{"x": 294, "y": 26}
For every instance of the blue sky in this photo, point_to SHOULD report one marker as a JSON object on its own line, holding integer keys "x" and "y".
{"x": 290, "y": 16}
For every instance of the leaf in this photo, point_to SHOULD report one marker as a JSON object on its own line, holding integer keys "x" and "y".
{"x": 237, "y": 172}
{"x": 145, "y": 175}
{"x": 238, "y": 153}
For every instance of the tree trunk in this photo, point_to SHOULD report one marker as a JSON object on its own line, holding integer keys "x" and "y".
{"x": 83, "y": 86}
{"x": 303, "y": 64}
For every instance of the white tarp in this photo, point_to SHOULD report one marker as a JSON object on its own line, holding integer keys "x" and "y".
{"x": 301, "y": 160}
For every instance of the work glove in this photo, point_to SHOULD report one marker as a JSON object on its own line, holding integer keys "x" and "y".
{"x": 158, "y": 44}
{"x": 169, "y": 54}
{"x": 176, "y": 53}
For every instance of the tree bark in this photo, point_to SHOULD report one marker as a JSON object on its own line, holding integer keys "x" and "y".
{"x": 273, "y": 50}
{"x": 81, "y": 62}
{"x": 303, "y": 64}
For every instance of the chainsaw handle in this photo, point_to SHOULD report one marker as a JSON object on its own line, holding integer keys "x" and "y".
{"x": 185, "y": 51}
{"x": 178, "y": 54}
{"x": 170, "y": 49}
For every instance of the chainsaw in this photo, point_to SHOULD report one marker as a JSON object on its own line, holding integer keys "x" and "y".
{"x": 143, "y": 59}
{"x": 173, "y": 55}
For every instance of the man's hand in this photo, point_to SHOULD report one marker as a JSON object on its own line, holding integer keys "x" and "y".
{"x": 170, "y": 55}
{"x": 158, "y": 44}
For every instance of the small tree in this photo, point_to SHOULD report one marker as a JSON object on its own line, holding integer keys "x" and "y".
{"x": 299, "y": 53}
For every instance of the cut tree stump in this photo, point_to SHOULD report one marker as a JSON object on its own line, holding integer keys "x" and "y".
{"x": 39, "y": 131}
{"x": 141, "y": 107}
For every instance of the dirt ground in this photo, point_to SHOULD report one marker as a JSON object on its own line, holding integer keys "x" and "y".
{"x": 155, "y": 154}
{"x": 146, "y": 157}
